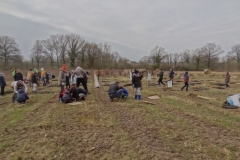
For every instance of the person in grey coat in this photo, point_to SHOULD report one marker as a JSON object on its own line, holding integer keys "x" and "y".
{"x": 81, "y": 77}
{"x": 22, "y": 97}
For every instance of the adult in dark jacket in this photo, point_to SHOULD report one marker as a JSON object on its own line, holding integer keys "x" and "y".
{"x": 78, "y": 93}
{"x": 34, "y": 81}
{"x": 136, "y": 81}
{"x": 171, "y": 74}
{"x": 160, "y": 80}
{"x": 2, "y": 83}
{"x": 22, "y": 97}
{"x": 18, "y": 76}
{"x": 115, "y": 91}
{"x": 66, "y": 98}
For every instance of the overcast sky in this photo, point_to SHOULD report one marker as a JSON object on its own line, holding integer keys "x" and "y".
{"x": 131, "y": 27}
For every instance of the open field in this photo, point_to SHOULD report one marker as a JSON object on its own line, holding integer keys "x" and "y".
{"x": 178, "y": 126}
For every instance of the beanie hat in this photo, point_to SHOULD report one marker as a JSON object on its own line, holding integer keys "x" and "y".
{"x": 64, "y": 67}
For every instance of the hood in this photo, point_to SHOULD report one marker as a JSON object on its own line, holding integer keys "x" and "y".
{"x": 1, "y": 74}
{"x": 42, "y": 69}
{"x": 21, "y": 91}
{"x": 78, "y": 68}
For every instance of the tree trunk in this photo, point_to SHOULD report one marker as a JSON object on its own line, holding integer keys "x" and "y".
{"x": 72, "y": 62}
{"x": 57, "y": 61}
{"x": 197, "y": 63}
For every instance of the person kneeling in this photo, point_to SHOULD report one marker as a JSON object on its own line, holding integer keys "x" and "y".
{"x": 115, "y": 91}
{"x": 78, "y": 93}
{"x": 22, "y": 97}
{"x": 66, "y": 98}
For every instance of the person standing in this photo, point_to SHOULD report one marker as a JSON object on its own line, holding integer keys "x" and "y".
{"x": 62, "y": 78}
{"x": 2, "y": 83}
{"x": 18, "y": 76}
{"x": 227, "y": 79}
{"x": 14, "y": 71}
{"x": 68, "y": 75}
{"x": 79, "y": 72}
{"x": 29, "y": 77}
{"x": 160, "y": 80}
{"x": 186, "y": 79}
{"x": 171, "y": 74}
{"x": 98, "y": 73}
{"x": 43, "y": 76}
{"x": 34, "y": 81}
{"x": 136, "y": 81}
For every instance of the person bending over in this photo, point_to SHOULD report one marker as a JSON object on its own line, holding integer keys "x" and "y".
{"x": 78, "y": 93}
{"x": 115, "y": 91}
{"x": 22, "y": 96}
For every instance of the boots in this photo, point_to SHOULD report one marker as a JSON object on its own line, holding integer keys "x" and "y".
{"x": 138, "y": 97}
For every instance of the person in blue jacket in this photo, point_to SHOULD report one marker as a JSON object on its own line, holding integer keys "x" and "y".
{"x": 22, "y": 96}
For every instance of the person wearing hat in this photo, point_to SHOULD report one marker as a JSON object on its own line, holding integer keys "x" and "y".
{"x": 160, "y": 80}
{"x": 136, "y": 81}
{"x": 115, "y": 91}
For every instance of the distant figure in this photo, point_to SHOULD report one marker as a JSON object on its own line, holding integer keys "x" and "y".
{"x": 14, "y": 71}
{"x": 48, "y": 78}
{"x": 34, "y": 81}
{"x": 18, "y": 76}
{"x": 160, "y": 80}
{"x": 29, "y": 77}
{"x": 115, "y": 91}
{"x": 2, "y": 83}
{"x": 227, "y": 79}
{"x": 136, "y": 81}
{"x": 62, "y": 78}
{"x": 43, "y": 76}
{"x": 98, "y": 73}
{"x": 171, "y": 74}
{"x": 186, "y": 79}
{"x": 22, "y": 97}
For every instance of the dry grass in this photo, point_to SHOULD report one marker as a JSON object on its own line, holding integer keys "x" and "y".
{"x": 177, "y": 127}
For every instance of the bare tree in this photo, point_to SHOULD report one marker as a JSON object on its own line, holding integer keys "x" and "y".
{"x": 37, "y": 52}
{"x": 157, "y": 55}
{"x": 186, "y": 56}
{"x": 197, "y": 55}
{"x": 8, "y": 48}
{"x": 75, "y": 45}
{"x": 235, "y": 54}
{"x": 48, "y": 50}
{"x": 210, "y": 52}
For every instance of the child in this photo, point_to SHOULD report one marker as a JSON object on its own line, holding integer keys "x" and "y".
{"x": 66, "y": 98}
{"x": 22, "y": 97}
{"x": 227, "y": 79}
{"x": 160, "y": 80}
{"x": 34, "y": 81}
{"x": 16, "y": 85}
{"x": 47, "y": 79}
{"x": 186, "y": 78}
{"x": 136, "y": 81}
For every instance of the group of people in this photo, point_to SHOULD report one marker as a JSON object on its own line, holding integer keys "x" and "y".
{"x": 72, "y": 92}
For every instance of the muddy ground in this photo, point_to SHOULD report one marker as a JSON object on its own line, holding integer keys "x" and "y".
{"x": 179, "y": 125}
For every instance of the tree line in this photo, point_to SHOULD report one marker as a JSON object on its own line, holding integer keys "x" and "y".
{"x": 72, "y": 49}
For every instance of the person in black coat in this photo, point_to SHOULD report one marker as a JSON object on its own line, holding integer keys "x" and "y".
{"x": 115, "y": 91}
{"x": 2, "y": 83}
{"x": 78, "y": 93}
{"x": 34, "y": 81}
{"x": 136, "y": 81}
{"x": 160, "y": 80}
{"x": 18, "y": 76}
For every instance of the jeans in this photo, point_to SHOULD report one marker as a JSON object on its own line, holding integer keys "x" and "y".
{"x": 137, "y": 91}
{"x": 160, "y": 81}
{"x": 34, "y": 85}
{"x": 117, "y": 95}
{"x": 186, "y": 85}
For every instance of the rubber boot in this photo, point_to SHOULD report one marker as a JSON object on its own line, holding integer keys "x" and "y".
{"x": 136, "y": 97}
